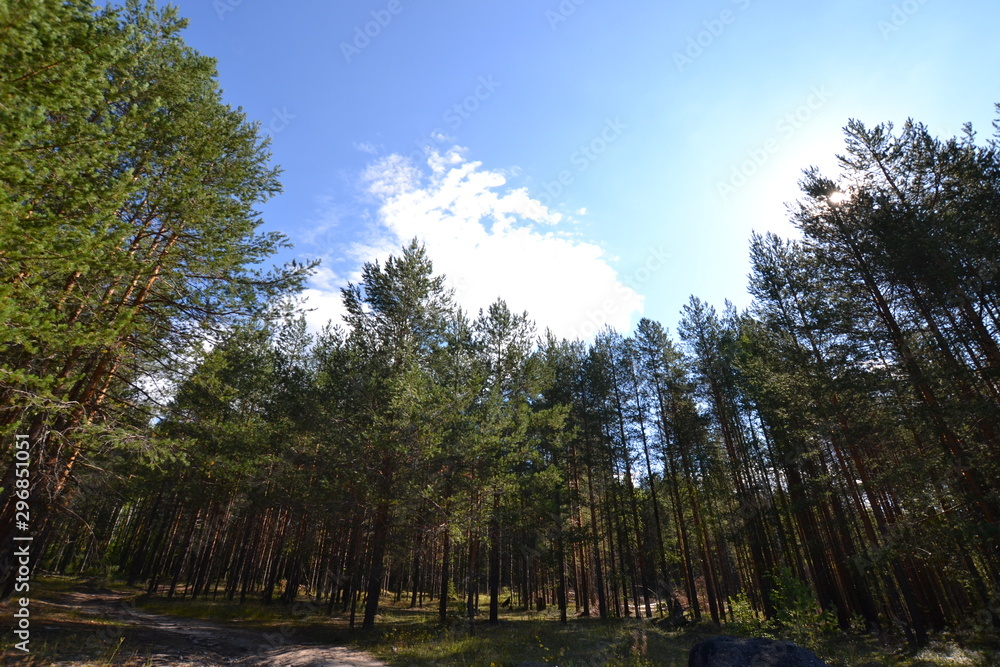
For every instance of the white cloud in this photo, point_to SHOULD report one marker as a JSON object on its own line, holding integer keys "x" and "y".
{"x": 491, "y": 241}
{"x": 325, "y": 279}
{"x": 323, "y": 306}
{"x": 366, "y": 147}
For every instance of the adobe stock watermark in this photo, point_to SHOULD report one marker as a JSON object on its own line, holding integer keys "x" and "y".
{"x": 785, "y": 128}
{"x": 22, "y": 542}
{"x": 582, "y": 158}
{"x": 462, "y": 111}
{"x": 595, "y": 319}
{"x": 455, "y": 115}
{"x": 900, "y": 16}
{"x": 713, "y": 28}
{"x": 987, "y": 617}
{"x": 562, "y": 13}
{"x": 223, "y": 7}
{"x": 284, "y": 633}
{"x": 279, "y": 120}
{"x": 365, "y": 34}
{"x": 985, "y": 273}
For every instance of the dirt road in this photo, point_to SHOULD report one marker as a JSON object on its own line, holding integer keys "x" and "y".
{"x": 85, "y": 624}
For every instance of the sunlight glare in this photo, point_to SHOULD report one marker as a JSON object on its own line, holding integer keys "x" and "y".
{"x": 837, "y": 197}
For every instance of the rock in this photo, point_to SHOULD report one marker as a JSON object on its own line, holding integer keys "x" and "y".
{"x": 726, "y": 651}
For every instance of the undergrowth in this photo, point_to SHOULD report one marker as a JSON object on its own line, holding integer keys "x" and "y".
{"x": 414, "y": 637}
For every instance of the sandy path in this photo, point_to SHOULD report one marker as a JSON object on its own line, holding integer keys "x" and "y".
{"x": 184, "y": 642}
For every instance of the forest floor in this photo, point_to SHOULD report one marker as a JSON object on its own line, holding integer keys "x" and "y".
{"x": 83, "y": 623}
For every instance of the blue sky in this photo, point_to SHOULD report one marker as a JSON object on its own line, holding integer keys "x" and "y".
{"x": 589, "y": 161}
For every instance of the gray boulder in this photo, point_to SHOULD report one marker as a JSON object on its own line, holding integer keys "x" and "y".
{"x": 726, "y": 651}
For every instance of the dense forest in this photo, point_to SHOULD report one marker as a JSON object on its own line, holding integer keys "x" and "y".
{"x": 834, "y": 450}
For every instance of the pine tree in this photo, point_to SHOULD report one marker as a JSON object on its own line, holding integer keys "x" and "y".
{"x": 129, "y": 226}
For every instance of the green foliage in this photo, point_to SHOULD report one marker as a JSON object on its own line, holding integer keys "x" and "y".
{"x": 744, "y": 619}
{"x": 799, "y": 616}
{"x": 128, "y": 204}
{"x": 128, "y": 233}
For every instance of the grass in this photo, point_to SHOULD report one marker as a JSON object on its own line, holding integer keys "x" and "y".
{"x": 406, "y": 637}
{"x": 63, "y": 634}
{"x": 540, "y": 639}
{"x": 82, "y": 648}
{"x": 533, "y": 640}
{"x": 413, "y": 637}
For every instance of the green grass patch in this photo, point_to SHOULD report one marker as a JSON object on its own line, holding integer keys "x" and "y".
{"x": 78, "y": 650}
{"x": 414, "y": 637}
{"x": 533, "y": 640}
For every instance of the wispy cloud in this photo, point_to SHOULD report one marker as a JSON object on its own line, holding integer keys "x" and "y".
{"x": 491, "y": 240}
{"x": 366, "y": 147}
